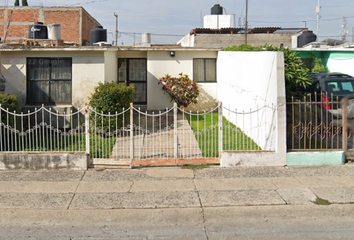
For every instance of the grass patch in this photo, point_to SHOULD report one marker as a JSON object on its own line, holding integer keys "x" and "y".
{"x": 205, "y": 128}
{"x": 320, "y": 201}
{"x": 100, "y": 147}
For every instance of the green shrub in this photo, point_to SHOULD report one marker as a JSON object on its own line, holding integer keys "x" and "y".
{"x": 111, "y": 98}
{"x": 182, "y": 89}
{"x": 8, "y": 102}
{"x": 319, "y": 67}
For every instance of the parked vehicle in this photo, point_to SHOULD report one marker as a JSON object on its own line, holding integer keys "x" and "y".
{"x": 329, "y": 89}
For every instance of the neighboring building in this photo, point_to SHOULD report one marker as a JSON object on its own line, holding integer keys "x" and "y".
{"x": 219, "y": 31}
{"x": 336, "y": 59}
{"x": 225, "y": 37}
{"x": 75, "y": 22}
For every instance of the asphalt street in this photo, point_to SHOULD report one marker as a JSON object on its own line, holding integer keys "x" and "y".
{"x": 179, "y": 203}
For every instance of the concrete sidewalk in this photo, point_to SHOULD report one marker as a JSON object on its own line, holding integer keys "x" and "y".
{"x": 180, "y": 197}
{"x": 172, "y": 187}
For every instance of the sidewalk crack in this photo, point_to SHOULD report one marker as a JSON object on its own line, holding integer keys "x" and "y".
{"x": 131, "y": 187}
{"x": 281, "y": 197}
{"x": 77, "y": 187}
{"x": 201, "y": 206}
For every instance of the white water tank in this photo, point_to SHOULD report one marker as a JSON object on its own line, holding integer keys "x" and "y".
{"x": 54, "y": 32}
{"x": 146, "y": 38}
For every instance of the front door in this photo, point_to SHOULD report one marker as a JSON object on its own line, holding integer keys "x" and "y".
{"x": 134, "y": 71}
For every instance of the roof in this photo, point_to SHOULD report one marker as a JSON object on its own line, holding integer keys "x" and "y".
{"x": 156, "y": 47}
{"x": 256, "y": 30}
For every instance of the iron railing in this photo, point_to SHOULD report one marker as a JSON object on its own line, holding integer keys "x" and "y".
{"x": 317, "y": 122}
{"x": 136, "y": 134}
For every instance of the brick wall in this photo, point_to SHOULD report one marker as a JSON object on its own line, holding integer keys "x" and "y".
{"x": 23, "y": 15}
{"x": 88, "y": 23}
{"x": 69, "y": 21}
{"x": 67, "y": 17}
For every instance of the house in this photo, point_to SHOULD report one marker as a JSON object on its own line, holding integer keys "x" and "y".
{"x": 66, "y": 76}
{"x": 75, "y": 22}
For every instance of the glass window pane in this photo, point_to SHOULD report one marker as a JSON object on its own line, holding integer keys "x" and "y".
{"x": 140, "y": 93}
{"x": 61, "y": 68}
{"x": 210, "y": 70}
{"x": 198, "y": 70}
{"x": 60, "y": 91}
{"x": 45, "y": 80}
{"x": 122, "y": 70}
{"x": 38, "y": 92}
{"x": 348, "y": 86}
{"x": 38, "y": 69}
{"x": 137, "y": 70}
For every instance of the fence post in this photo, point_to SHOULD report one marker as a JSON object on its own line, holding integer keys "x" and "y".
{"x": 131, "y": 132}
{"x": 344, "y": 125}
{"x": 220, "y": 129}
{"x": 175, "y": 139}
{"x": 87, "y": 127}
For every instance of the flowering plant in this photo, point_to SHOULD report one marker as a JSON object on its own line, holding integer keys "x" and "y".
{"x": 182, "y": 89}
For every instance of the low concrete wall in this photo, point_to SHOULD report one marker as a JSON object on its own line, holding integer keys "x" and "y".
{"x": 315, "y": 158}
{"x": 43, "y": 161}
{"x": 233, "y": 159}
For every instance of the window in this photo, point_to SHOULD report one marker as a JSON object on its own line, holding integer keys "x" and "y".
{"x": 134, "y": 71}
{"x": 49, "y": 80}
{"x": 204, "y": 69}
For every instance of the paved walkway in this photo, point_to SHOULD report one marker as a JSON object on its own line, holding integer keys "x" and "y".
{"x": 154, "y": 139}
{"x": 176, "y": 203}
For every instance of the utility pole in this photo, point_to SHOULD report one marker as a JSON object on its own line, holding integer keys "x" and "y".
{"x": 305, "y": 23}
{"x": 246, "y": 23}
{"x": 116, "y": 15}
{"x": 318, "y": 10}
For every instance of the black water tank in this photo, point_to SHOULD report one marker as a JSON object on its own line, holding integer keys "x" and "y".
{"x": 306, "y": 37}
{"x": 217, "y": 10}
{"x": 98, "y": 34}
{"x": 37, "y": 31}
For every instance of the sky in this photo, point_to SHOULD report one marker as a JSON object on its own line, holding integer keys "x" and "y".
{"x": 170, "y": 20}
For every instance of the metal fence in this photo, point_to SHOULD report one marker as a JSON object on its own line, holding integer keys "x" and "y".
{"x": 42, "y": 130}
{"x": 317, "y": 123}
{"x": 136, "y": 134}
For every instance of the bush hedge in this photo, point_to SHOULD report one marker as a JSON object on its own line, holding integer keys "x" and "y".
{"x": 109, "y": 98}
{"x": 8, "y": 102}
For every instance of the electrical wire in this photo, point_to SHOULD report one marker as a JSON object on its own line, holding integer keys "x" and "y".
{"x": 85, "y": 3}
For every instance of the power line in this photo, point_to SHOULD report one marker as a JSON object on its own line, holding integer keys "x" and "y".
{"x": 90, "y": 2}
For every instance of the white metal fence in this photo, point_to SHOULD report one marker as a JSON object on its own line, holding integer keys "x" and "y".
{"x": 140, "y": 135}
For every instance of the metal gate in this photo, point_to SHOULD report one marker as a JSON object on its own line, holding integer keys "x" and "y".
{"x": 136, "y": 137}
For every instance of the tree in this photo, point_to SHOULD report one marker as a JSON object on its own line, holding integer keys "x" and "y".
{"x": 296, "y": 74}
{"x": 319, "y": 67}
{"x": 24, "y": 3}
{"x": 17, "y": 3}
